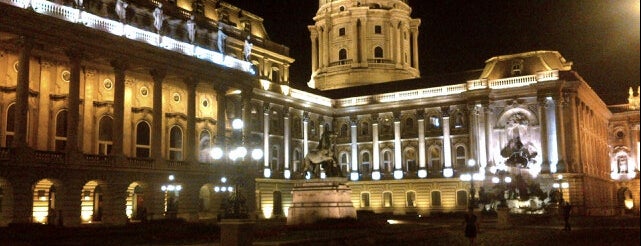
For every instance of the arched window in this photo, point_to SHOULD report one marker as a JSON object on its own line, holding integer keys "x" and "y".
{"x": 312, "y": 128}
{"x": 436, "y": 198}
{"x": 365, "y": 128}
{"x": 378, "y": 52}
{"x": 410, "y": 199}
{"x": 387, "y": 199}
{"x": 435, "y": 122}
{"x": 175, "y": 143}
{"x": 61, "y": 131}
{"x": 365, "y": 163}
{"x": 204, "y": 144}
{"x": 459, "y": 120}
{"x": 409, "y": 124}
{"x": 460, "y": 158}
{"x": 105, "y": 138}
{"x": 344, "y": 162}
{"x": 434, "y": 161}
{"x": 388, "y": 162}
{"x": 342, "y": 54}
{"x": 461, "y": 198}
{"x": 344, "y": 132}
{"x": 10, "y": 125}
{"x": 410, "y": 160}
{"x": 297, "y": 160}
{"x": 143, "y": 140}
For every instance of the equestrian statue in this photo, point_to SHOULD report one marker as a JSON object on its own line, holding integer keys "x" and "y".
{"x": 322, "y": 158}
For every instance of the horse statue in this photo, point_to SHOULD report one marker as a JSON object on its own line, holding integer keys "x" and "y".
{"x": 321, "y": 157}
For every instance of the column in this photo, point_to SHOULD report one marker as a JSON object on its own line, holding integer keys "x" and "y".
{"x": 355, "y": 44}
{"x": 560, "y": 135}
{"x": 415, "y": 47}
{"x": 422, "y": 171}
{"x": 552, "y": 136}
{"x": 73, "y": 114}
{"x": 354, "y": 147}
{"x": 221, "y": 120}
{"x": 314, "y": 39}
{"x": 362, "y": 42}
{"x": 397, "y": 44}
{"x": 447, "y": 146}
{"x": 398, "y": 158}
{"x": 376, "y": 173}
{"x": 246, "y": 108}
{"x": 573, "y": 158}
{"x": 22, "y": 93}
{"x": 489, "y": 134}
{"x": 305, "y": 133}
{"x": 286, "y": 142}
{"x": 119, "y": 106}
{"x": 473, "y": 131}
{"x": 541, "y": 110}
{"x": 191, "y": 144}
{"x": 392, "y": 44}
{"x": 267, "y": 171}
{"x": 156, "y": 144}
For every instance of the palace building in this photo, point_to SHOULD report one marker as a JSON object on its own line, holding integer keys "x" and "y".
{"x": 110, "y": 112}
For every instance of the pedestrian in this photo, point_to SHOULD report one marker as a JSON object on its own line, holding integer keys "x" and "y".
{"x": 567, "y": 209}
{"x": 471, "y": 225}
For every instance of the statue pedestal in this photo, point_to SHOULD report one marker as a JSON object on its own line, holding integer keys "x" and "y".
{"x": 318, "y": 199}
{"x": 503, "y": 216}
{"x": 236, "y": 232}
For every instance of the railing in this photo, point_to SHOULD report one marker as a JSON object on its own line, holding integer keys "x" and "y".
{"x": 49, "y": 156}
{"x": 547, "y": 75}
{"x": 512, "y": 82}
{"x": 311, "y": 97}
{"x": 145, "y": 163}
{"x": 119, "y": 29}
{"x": 340, "y": 62}
{"x": 177, "y": 164}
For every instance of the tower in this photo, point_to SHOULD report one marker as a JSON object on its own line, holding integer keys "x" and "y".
{"x": 361, "y": 42}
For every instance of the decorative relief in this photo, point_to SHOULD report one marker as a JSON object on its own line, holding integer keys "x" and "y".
{"x": 175, "y": 97}
{"x": 108, "y": 84}
{"x": 66, "y": 76}
{"x": 144, "y": 91}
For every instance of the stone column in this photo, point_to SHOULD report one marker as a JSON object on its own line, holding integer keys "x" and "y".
{"x": 246, "y": 98}
{"x": 114, "y": 209}
{"x": 120, "y": 66}
{"x": 473, "y": 133}
{"x": 69, "y": 203}
{"x": 355, "y": 44}
{"x": 156, "y": 144}
{"x": 188, "y": 201}
{"x": 354, "y": 147}
{"x": 422, "y": 171}
{"x": 22, "y": 94}
{"x": 560, "y": 135}
{"x": 221, "y": 119}
{"x": 191, "y": 145}
{"x": 398, "y": 156}
{"x": 287, "y": 138}
{"x": 376, "y": 173}
{"x": 305, "y": 133}
{"x": 541, "y": 110}
{"x": 267, "y": 171}
{"x": 489, "y": 134}
{"x": 22, "y": 199}
{"x": 447, "y": 146}
{"x": 415, "y": 47}
{"x": 73, "y": 115}
{"x": 314, "y": 39}
{"x": 574, "y": 160}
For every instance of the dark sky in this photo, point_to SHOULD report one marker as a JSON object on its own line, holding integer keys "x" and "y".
{"x": 600, "y": 37}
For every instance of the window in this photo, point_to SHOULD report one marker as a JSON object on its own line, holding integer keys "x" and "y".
{"x": 436, "y": 198}
{"x": 344, "y": 130}
{"x": 344, "y": 162}
{"x": 312, "y": 128}
{"x": 378, "y": 52}
{"x": 275, "y": 75}
{"x": 105, "y": 132}
{"x": 275, "y": 165}
{"x": 61, "y": 131}
{"x": 365, "y": 163}
{"x": 378, "y": 29}
{"x": 410, "y": 197}
{"x": 387, "y": 199}
{"x": 409, "y": 124}
{"x": 622, "y": 163}
{"x": 11, "y": 123}
{"x": 342, "y": 54}
{"x": 461, "y": 198}
{"x": 143, "y": 140}
{"x": 435, "y": 122}
{"x": 204, "y": 144}
{"x": 458, "y": 120}
{"x": 341, "y": 31}
{"x": 410, "y": 160}
{"x": 364, "y": 128}
{"x": 278, "y": 204}
{"x": 517, "y": 66}
{"x": 297, "y": 163}
{"x": 434, "y": 160}
{"x": 460, "y": 158}
{"x": 387, "y": 161}
{"x": 364, "y": 200}
{"x": 175, "y": 144}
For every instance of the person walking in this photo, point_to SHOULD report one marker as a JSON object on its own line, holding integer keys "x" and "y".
{"x": 471, "y": 225}
{"x": 567, "y": 209}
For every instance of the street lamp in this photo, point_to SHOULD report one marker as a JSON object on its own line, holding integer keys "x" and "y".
{"x": 172, "y": 191}
{"x": 561, "y": 184}
{"x": 471, "y": 176}
{"x": 503, "y": 180}
{"x": 234, "y": 207}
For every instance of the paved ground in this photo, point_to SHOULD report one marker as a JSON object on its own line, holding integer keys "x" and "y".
{"x": 443, "y": 230}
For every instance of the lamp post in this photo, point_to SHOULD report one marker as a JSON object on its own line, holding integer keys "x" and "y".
{"x": 471, "y": 176}
{"x": 561, "y": 184}
{"x": 172, "y": 191}
{"x": 503, "y": 180}
{"x": 235, "y": 206}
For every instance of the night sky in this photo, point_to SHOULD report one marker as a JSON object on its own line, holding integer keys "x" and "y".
{"x": 600, "y": 37}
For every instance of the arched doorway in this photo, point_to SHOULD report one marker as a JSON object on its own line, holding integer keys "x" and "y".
{"x": 44, "y": 203}
{"x": 91, "y": 206}
{"x": 136, "y": 209}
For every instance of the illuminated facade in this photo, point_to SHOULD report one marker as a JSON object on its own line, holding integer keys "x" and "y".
{"x": 402, "y": 141}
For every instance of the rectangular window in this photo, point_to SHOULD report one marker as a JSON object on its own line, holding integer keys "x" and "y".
{"x": 341, "y": 31}
{"x": 364, "y": 200}
{"x": 436, "y": 198}
{"x": 411, "y": 199}
{"x": 378, "y": 29}
{"x": 387, "y": 199}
